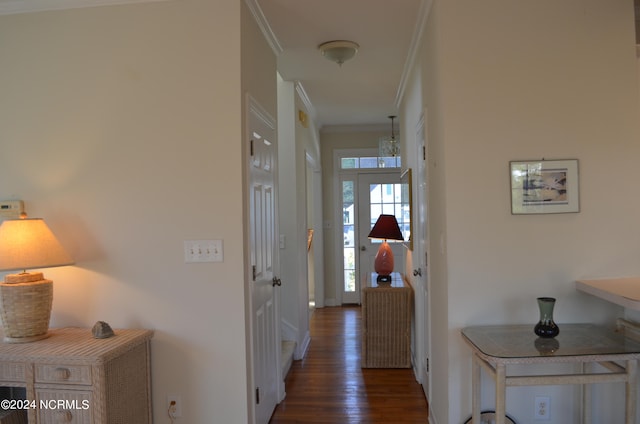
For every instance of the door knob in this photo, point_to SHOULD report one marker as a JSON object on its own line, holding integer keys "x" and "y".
{"x": 276, "y": 282}
{"x": 417, "y": 272}
{"x": 363, "y": 248}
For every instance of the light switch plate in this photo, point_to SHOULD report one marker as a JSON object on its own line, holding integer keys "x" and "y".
{"x": 203, "y": 251}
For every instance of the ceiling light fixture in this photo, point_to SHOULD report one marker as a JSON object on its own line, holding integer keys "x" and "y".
{"x": 339, "y": 51}
{"x": 389, "y": 146}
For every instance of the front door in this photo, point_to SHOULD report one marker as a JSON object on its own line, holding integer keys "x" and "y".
{"x": 264, "y": 262}
{"x": 378, "y": 192}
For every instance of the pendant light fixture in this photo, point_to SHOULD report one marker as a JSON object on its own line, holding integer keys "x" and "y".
{"x": 389, "y": 146}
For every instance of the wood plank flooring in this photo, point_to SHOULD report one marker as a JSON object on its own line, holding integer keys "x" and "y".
{"x": 328, "y": 385}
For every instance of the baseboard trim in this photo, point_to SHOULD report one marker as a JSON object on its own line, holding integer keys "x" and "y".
{"x": 302, "y": 347}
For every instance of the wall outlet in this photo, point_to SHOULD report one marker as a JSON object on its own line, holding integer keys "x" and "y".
{"x": 174, "y": 406}
{"x": 542, "y": 405}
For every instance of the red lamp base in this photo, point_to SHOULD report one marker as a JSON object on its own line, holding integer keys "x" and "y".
{"x": 383, "y": 263}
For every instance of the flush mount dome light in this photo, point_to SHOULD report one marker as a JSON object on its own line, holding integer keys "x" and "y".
{"x": 339, "y": 51}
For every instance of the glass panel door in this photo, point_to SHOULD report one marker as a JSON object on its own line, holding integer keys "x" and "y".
{"x": 363, "y": 200}
{"x": 383, "y": 195}
{"x": 349, "y": 245}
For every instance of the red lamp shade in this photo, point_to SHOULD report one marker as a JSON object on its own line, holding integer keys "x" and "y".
{"x": 385, "y": 228}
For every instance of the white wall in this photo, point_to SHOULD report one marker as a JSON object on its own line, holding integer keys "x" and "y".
{"x": 508, "y": 81}
{"x": 295, "y": 141}
{"x": 121, "y": 127}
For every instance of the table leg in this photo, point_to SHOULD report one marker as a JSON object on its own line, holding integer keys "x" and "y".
{"x": 632, "y": 390}
{"x": 586, "y": 396}
{"x": 475, "y": 390}
{"x": 501, "y": 393}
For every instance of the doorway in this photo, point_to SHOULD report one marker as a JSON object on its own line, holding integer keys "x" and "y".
{"x": 265, "y": 264}
{"x": 368, "y": 185}
{"x": 379, "y": 193}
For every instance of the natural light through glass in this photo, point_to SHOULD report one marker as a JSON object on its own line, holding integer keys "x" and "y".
{"x": 385, "y": 199}
{"x": 348, "y": 227}
{"x": 370, "y": 162}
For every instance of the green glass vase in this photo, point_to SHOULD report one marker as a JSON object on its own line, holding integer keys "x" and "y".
{"x": 546, "y": 327}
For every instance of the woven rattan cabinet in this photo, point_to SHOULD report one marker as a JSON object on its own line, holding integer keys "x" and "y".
{"x": 71, "y": 377}
{"x": 386, "y": 326}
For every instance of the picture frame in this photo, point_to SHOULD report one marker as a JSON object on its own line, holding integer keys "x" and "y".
{"x": 544, "y": 186}
{"x": 406, "y": 196}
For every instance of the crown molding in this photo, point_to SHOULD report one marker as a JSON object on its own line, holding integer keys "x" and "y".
{"x": 264, "y": 26}
{"x": 13, "y": 7}
{"x": 423, "y": 13}
{"x": 304, "y": 98}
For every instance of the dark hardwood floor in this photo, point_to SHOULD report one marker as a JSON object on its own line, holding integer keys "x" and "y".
{"x": 328, "y": 385}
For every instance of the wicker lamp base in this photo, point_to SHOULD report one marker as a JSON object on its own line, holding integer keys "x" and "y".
{"x": 25, "y": 307}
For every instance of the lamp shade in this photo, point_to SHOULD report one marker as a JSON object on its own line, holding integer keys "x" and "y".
{"x": 386, "y": 227}
{"x": 29, "y": 243}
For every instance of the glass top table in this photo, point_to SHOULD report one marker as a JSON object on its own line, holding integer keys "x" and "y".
{"x": 519, "y": 342}
{"x": 496, "y": 347}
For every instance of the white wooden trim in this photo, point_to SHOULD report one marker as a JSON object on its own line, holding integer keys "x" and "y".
{"x": 301, "y": 349}
{"x": 416, "y": 41}
{"x": 264, "y": 26}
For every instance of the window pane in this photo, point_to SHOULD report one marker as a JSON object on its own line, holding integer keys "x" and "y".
{"x": 348, "y": 228}
{"x": 349, "y": 163}
{"x": 349, "y": 239}
{"x": 389, "y": 209}
{"x": 388, "y": 162}
{"x": 375, "y": 193}
{"x": 376, "y": 210}
{"x": 349, "y": 269}
{"x": 387, "y": 193}
{"x": 347, "y": 192}
{"x": 349, "y": 258}
{"x": 349, "y": 280}
{"x": 369, "y": 162}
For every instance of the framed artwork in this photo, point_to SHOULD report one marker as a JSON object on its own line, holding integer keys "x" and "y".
{"x": 406, "y": 224}
{"x": 544, "y": 186}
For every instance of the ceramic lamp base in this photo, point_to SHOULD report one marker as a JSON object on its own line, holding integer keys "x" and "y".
{"x": 383, "y": 263}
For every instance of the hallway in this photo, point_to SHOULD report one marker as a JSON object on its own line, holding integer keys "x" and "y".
{"x": 328, "y": 385}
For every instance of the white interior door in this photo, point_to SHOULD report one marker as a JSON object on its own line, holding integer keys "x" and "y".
{"x": 420, "y": 259}
{"x": 378, "y": 193}
{"x": 264, "y": 262}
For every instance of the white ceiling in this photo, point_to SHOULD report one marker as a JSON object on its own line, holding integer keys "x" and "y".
{"x": 365, "y": 89}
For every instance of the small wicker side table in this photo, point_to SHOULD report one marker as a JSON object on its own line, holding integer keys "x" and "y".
{"x": 386, "y": 325}
{"x": 70, "y": 377}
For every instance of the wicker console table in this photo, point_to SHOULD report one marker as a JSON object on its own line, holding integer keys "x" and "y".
{"x": 386, "y": 325}
{"x": 496, "y": 347}
{"x": 70, "y": 377}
